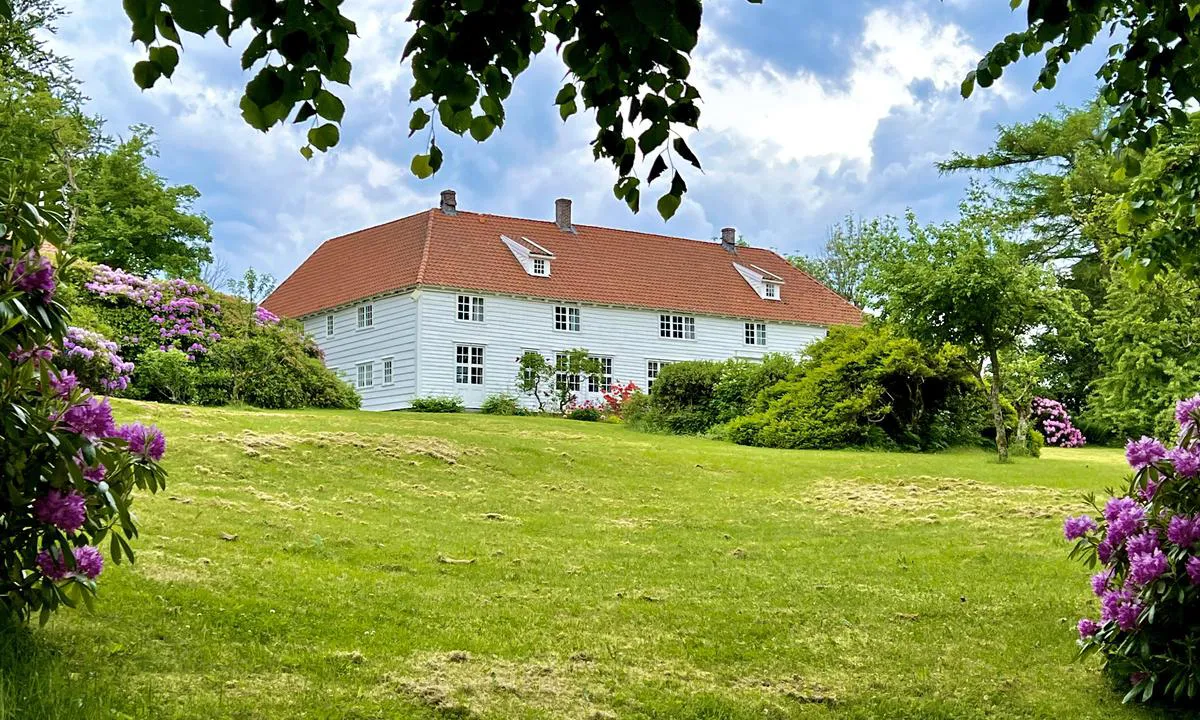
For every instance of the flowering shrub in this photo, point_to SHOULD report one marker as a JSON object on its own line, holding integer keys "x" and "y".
{"x": 67, "y": 473}
{"x": 178, "y": 309}
{"x": 263, "y": 316}
{"x": 584, "y": 410}
{"x": 93, "y": 360}
{"x": 1147, "y": 542}
{"x": 617, "y": 395}
{"x": 1056, "y": 424}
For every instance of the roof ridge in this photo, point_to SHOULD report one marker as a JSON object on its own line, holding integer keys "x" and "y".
{"x": 643, "y": 233}
{"x": 425, "y": 247}
{"x": 376, "y": 226}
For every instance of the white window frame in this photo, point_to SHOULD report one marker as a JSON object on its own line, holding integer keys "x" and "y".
{"x": 656, "y": 367}
{"x": 469, "y": 308}
{"x": 364, "y": 375}
{"x": 539, "y": 266}
{"x": 366, "y": 316}
{"x": 389, "y": 371}
{"x": 469, "y": 364}
{"x": 329, "y": 325}
{"x": 755, "y": 333}
{"x": 572, "y": 381}
{"x": 567, "y": 318}
{"x": 771, "y": 290}
{"x": 676, "y": 327}
{"x": 602, "y": 382}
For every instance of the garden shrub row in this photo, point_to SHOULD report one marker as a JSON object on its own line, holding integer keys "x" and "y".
{"x": 191, "y": 345}
{"x": 859, "y": 387}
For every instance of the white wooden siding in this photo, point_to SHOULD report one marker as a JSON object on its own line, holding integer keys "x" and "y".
{"x": 630, "y": 337}
{"x": 393, "y": 334}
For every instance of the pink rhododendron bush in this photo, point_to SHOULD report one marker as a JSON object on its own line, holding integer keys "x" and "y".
{"x": 67, "y": 471}
{"x": 1146, "y": 543}
{"x": 1055, "y": 423}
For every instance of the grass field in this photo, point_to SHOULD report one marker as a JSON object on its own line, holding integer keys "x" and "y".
{"x": 355, "y": 565}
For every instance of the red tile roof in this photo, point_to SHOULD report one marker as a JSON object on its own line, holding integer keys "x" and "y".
{"x": 593, "y": 265}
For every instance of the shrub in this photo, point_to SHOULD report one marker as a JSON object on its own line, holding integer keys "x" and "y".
{"x": 1148, "y": 544}
{"x": 616, "y": 397}
{"x": 683, "y": 396}
{"x": 868, "y": 387}
{"x": 501, "y": 404}
{"x": 270, "y": 368}
{"x": 165, "y": 377}
{"x": 741, "y": 381}
{"x": 1055, "y": 423}
{"x": 437, "y": 404}
{"x": 587, "y": 414}
{"x": 94, "y": 361}
{"x": 67, "y": 474}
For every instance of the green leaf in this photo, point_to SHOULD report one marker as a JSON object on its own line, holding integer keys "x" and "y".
{"x": 668, "y": 205}
{"x": 166, "y": 58}
{"x": 329, "y": 106}
{"x": 482, "y": 128}
{"x": 305, "y": 112}
{"x": 566, "y": 110}
{"x": 166, "y": 27}
{"x": 968, "y": 85}
{"x": 686, "y": 153}
{"x": 307, "y": 152}
{"x": 420, "y": 119}
{"x": 145, "y": 73}
{"x": 255, "y": 50}
{"x": 421, "y": 166}
{"x": 566, "y": 94}
{"x": 657, "y": 168}
{"x": 324, "y": 136}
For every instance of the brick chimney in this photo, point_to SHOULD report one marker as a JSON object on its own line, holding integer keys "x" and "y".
{"x": 562, "y": 215}
{"x": 729, "y": 239}
{"x": 449, "y": 202}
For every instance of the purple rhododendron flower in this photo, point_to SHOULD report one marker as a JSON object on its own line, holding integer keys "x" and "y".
{"x": 88, "y": 561}
{"x": 1088, "y": 628}
{"x": 1186, "y": 411}
{"x": 92, "y": 418}
{"x": 1193, "y": 570}
{"x": 63, "y": 383}
{"x": 1184, "y": 531}
{"x": 1186, "y": 461}
{"x": 1145, "y": 568}
{"x": 1104, "y": 551}
{"x": 1142, "y": 543}
{"x": 148, "y": 443}
{"x": 35, "y": 275}
{"x": 63, "y": 510}
{"x": 1076, "y": 527}
{"x": 1125, "y": 518}
{"x": 1145, "y": 452}
{"x": 1100, "y": 581}
{"x": 1147, "y": 493}
{"x": 1127, "y": 616}
{"x": 51, "y": 564}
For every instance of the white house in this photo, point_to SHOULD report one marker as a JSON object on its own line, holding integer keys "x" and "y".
{"x": 445, "y": 302}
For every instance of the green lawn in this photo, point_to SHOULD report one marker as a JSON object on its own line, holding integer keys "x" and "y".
{"x": 403, "y": 565}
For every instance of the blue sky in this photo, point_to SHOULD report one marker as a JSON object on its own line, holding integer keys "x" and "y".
{"x": 811, "y": 111}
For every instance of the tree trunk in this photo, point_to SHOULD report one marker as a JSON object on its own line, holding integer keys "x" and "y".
{"x": 997, "y": 410}
{"x": 1021, "y": 436}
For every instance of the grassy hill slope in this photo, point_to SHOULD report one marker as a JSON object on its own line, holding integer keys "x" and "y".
{"x": 332, "y": 564}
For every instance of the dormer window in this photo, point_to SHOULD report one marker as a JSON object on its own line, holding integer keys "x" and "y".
{"x": 534, "y": 258}
{"x": 764, "y": 282}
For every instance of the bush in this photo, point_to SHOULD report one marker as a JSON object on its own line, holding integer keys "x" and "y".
{"x": 67, "y": 474}
{"x": 1055, "y": 423}
{"x": 437, "y": 404}
{"x": 683, "y": 396}
{"x": 269, "y": 368}
{"x": 868, "y": 387}
{"x": 502, "y": 404}
{"x": 94, "y": 361}
{"x": 587, "y": 414}
{"x": 742, "y": 381}
{"x": 1148, "y": 544}
{"x": 165, "y": 377}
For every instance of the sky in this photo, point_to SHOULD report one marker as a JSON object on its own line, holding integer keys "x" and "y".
{"x": 811, "y": 111}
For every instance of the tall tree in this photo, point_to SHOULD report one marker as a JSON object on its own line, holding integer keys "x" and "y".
{"x": 129, "y": 217}
{"x": 25, "y": 53}
{"x": 965, "y": 284}
{"x": 851, "y": 248}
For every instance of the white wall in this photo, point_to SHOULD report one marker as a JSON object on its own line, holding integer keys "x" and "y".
{"x": 631, "y": 337}
{"x": 394, "y": 334}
